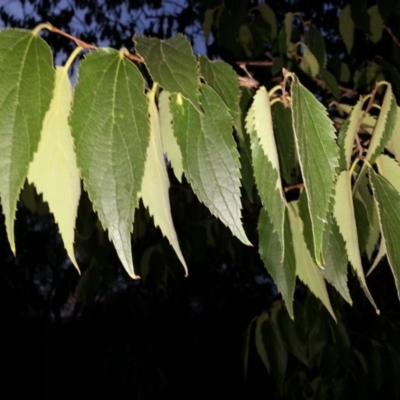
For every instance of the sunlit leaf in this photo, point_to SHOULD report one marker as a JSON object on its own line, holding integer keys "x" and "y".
{"x": 171, "y": 64}
{"x": 26, "y": 85}
{"x": 389, "y": 169}
{"x": 110, "y": 125}
{"x": 394, "y": 143}
{"x": 54, "y": 171}
{"x": 169, "y": 143}
{"x": 265, "y": 159}
{"x": 318, "y": 156}
{"x": 344, "y": 215}
{"x": 155, "y": 185}
{"x": 210, "y": 158}
{"x": 309, "y": 64}
{"x": 388, "y": 199}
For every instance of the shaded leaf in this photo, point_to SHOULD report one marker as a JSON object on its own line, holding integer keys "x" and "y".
{"x": 171, "y": 64}
{"x": 155, "y": 185}
{"x": 53, "y": 170}
{"x": 210, "y": 158}
{"x": 26, "y": 85}
{"x": 346, "y": 28}
{"x": 283, "y": 272}
{"x": 376, "y": 23}
{"x": 268, "y": 15}
{"x": 388, "y": 199}
{"x": 169, "y": 143}
{"x": 318, "y": 156}
{"x": 111, "y": 137}
{"x": 330, "y": 82}
{"x": 207, "y": 23}
{"x": 316, "y": 45}
{"x": 393, "y": 144}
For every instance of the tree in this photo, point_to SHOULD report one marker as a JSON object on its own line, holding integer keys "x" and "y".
{"x": 319, "y": 175}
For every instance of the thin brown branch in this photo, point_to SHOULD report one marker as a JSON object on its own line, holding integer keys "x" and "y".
{"x": 297, "y": 186}
{"x": 392, "y": 35}
{"x": 256, "y": 63}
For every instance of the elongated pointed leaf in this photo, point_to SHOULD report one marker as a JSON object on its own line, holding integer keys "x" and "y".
{"x": 306, "y": 269}
{"x": 269, "y": 16}
{"x": 309, "y": 63}
{"x": 376, "y": 23}
{"x": 210, "y": 158}
{"x": 381, "y": 253}
{"x": 265, "y": 160}
{"x": 389, "y": 169}
{"x": 208, "y": 23}
{"x": 318, "y": 156}
{"x": 388, "y": 199}
{"x": 346, "y": 28}
{"x": 53, "y": 170}
{"x": 171, "y": 64}
{"x": 110, "y": 125}
{"x": 344, "y": 215}
{"x": 26, "y": 85}
{"x": 224, "y": 80}
{"x": 169, "y": 143}
{"x": 330, "y": 82}
{"x": 283, "y": 272}
{"x": 316, "y": 45}
{"x": 155, "y": 185}
{"x": 394, "y": 142}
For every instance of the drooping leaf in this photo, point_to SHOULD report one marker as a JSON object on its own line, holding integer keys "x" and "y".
{"x": 223, "y": 79}
{"x": 288, "y": 32}
{"x": 155, "y": 186}
{"x": 345, "y": 218}
{"x": 376, "y": 23}
{"x": 283, "y": 272}
{"x": 268, "y": 15}
{"x": 309, "y": 64}
{"x": 53, "y": 170}
{"x": 318, "y": 156}
{"x": 348, "y": 134}
{"x": 210, "y": 158}
{"x": 171, "y": 64}
{"x": 330, "y": 82}
{"x": 110, "y": 125}
{"x": 346, "y": 28}
{"x": 259, "y": 342}
{"x": 381, "y": 253}
{"x": 362, "y": 222}
{"x": 169, "y": 143}
{"x": 265, "y": 160}
{"x": 26, "y": 85}
{"x": 388, "y": 200}
{"x": 208, "y": 23}
{"x": 306, "y": 269}
{"x": 389, "y": 169}
{"x": 360, "y": 16}
{"x": 394, "y": 142}
{"x": 344, "y": 72}
{"x": 316, "y": 45}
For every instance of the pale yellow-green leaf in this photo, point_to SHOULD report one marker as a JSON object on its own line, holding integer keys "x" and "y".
{"x": 389, "y": 169}
{"x": 346, "y": 28}
{"x": 379, "y": 256}
{"x": 345, "y": 218}
{"x": 288, "y": 29}
{"x": 309, "y": 64}
{"x": 394, "y": 143}
{"x": 268, "y": 15}
{"x": 155, "y": 184}
{"x": 169, "y": 142}
{"x": 53, "y": 169}
{"x": 306, "y": 268}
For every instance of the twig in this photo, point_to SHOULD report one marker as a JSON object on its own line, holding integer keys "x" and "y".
{"x": 392, "y": 35}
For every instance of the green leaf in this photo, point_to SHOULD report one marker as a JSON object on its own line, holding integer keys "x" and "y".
{"x": 381, "y": 253}
{"x": 360, "y": 15}
{"x": 53, "y": 170}
{"x": 265, "y": 159}
{"x": 388, "y": 199}
{"x": 269, "y": 16}
{"x": 344, "y": 72}
{"x": 288, "y": 32}
{"x": 224, "y": 80}
{"x": 348, "y": 134}
{"x": 169, "y": 143}
{"x": 309, "y": 63}
{"x": 306, "y": 269}
{"x": 376, "y": 23}
{"x": 155, "y": 185}
{"x": 283, "y": 272}
{"x": 318, "y": 156}
{"x": 284, "y": 136}
{"x": 171, "y": 64}
{"x": 386, "y": 8}
{"x": 393, "y": 144}
{"x": 345, "y": 217}
{"x": 208, "y": 23}
{"x": 261, "y": 350}
{"x": 210, "y": 158}
{"x": 330, "y": 82}
{"x": 26, "y": 85}
{"x": 110, "y": 125}
{"x": 316, "y": 45}
{"x": 346, "y": 28}
{"x": 335, "y": 257}
{"x": 389, "y": 169}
